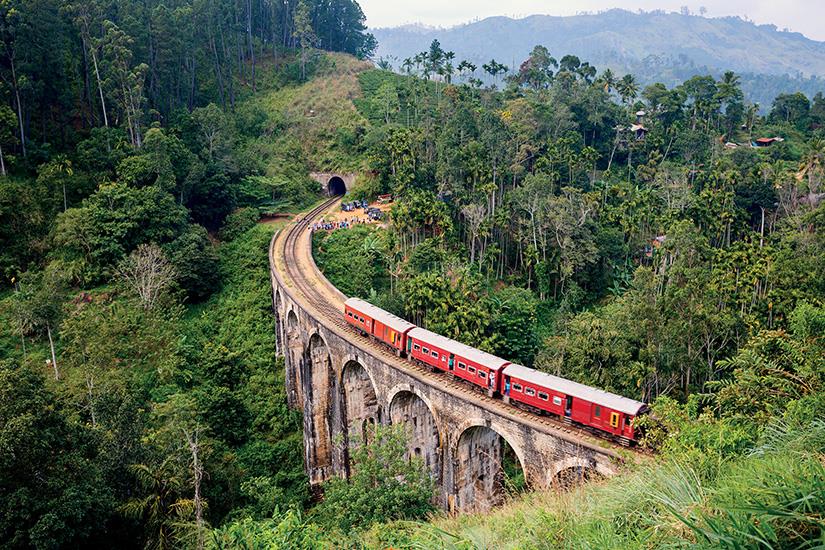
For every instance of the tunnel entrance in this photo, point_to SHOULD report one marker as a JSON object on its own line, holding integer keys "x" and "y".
{"x": 336, "y": 187}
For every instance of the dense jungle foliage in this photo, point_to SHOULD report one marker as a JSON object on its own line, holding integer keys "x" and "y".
{"x": 143, "y": 402}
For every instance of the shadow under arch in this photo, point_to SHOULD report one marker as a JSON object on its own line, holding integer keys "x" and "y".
{"x": 487, "y": 467}
{"x": 409, "y": 409}
{"x": 317, "y": 385}
{"x": 361, "y": 407}
{"x": 293, "y": 352}
{"x": 573, "y": 471}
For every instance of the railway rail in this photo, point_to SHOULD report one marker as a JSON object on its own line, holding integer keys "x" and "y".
{"x": 294, "y": 267}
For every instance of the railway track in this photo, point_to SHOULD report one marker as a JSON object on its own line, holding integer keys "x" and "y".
{"x": 312, "y": 289}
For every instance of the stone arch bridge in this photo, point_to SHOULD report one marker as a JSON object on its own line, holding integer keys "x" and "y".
{"x": 343, "y": 383}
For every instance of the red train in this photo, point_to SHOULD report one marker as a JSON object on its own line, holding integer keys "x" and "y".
{"x": 607, "y": 413}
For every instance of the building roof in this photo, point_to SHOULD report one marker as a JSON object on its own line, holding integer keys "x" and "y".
{"x": 393, "y": 321}
{"x": 568, "y": 387}
{"x": 458, "y": 349}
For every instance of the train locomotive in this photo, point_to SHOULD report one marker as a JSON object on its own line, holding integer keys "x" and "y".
{"x": 607, "y": 414}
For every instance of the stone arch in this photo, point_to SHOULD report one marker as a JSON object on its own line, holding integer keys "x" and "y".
{"x": 409, "y": 408}
{"x": 360, "y": 404}
{"x": 480, "y": 478}
{"x": 293, "y": 352}
{"x": 336, "y": 186}
{"x": 317, "y": 384}
{"x": 572, "y": 471}
{"x": 279, "y": 325}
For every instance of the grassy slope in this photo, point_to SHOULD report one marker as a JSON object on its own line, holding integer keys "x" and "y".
{"x": 776, "y": 493}
{"x": 317, "y": 120}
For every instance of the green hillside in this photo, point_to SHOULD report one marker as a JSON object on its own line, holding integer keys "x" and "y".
{"x": 655, "y": 47}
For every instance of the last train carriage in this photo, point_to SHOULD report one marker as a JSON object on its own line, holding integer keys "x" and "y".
{"x": 578, "y": 403}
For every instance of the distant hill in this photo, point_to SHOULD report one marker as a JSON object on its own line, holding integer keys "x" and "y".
{"x": 655, "y": 46}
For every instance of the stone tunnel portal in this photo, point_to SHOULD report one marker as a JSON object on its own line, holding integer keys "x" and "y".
{"x": 336, "y": 186}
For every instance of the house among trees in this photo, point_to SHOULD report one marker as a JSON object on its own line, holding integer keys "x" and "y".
{"x": 766, "y": 142}
{"x": 639, "y": 128}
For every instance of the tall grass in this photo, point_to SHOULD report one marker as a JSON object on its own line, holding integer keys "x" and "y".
{"x": 772, "y": 497}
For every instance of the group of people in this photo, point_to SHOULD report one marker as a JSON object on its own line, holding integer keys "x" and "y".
{"x": 324, "y": 225}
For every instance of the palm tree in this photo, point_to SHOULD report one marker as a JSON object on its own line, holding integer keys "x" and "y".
{"x": 627, "y": 88}
{"x": 608, "y": 80}
{"x": 161, "y": 509}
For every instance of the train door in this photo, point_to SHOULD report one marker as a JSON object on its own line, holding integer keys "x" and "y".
{"x": 568, "y": 407}
{"x": 451, "y": 363}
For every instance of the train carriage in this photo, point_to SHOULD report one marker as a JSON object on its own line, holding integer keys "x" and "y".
{"x": 477, "y": 367}
{"x": 579, "y": 403}
{"x": 382, "y": 325}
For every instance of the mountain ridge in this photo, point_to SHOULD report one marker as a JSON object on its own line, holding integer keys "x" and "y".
{"x": 655, "y": 46}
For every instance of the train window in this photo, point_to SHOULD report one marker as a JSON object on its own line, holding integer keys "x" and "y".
{"x": 349, "y": 313}
{"x": 516, "y": 387}
{"x": 471, "y": 369}
{"x": 529, "y": 391}
{"x": 443, "y": 358}
{"x": 556, "y": 400}
{"x": 598, "y": 412}
{"x": 543, "y": 396}
{"x": 425, "y": 350}
{"x": 462, "y": 366}
{"x": 417, "y": 347}
{"x": 435, "y": 354}
{"x": 482, "y": 374}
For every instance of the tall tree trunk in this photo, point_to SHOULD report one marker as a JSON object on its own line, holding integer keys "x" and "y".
{"x": 54, "y": 356}
{"x": 251, "y": 41}
{"x": 19, "y": 105}
{"x": 197, "y": 477}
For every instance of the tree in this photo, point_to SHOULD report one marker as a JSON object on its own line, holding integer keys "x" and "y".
{"x": 194, "y": 260}
{"x": 124, "y": 82}
{"x": 627, "y": 88}
{"x": 147, "y": 273}
{"x": 385, "y": 485}
{"x": 303, "y": 33}
{"x": 537, "y": 71}
{"x": 96, "y": 236}
{"x": 7, "y": 124}
{"x": 39, "y": 307}
{"x": 791, "y": 108}
{"x": 50, "y": 477}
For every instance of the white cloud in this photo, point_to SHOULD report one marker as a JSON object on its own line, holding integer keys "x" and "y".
{"x": 803, "y": 16}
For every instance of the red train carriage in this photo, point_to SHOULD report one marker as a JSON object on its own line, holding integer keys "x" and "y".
{"x": 372, "y": 320}
{"x": 582, "y": 404}
{"x": 476, "y": 366}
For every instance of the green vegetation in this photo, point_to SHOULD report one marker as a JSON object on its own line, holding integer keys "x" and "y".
{"x": 140, "y": 145}
{"x": 143, "y": 404}
{"x": 654, "y": 46}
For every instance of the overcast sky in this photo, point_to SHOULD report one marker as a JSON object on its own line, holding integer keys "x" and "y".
{"x": 805, "y": 16}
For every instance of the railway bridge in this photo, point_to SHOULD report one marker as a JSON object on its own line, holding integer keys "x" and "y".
{"x": 344, "y": 383}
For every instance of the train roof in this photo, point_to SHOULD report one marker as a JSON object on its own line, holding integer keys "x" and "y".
{"x": 575, "y": 389}
{"x": 457, "y": 348}
{"x": 393, "y": 321}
